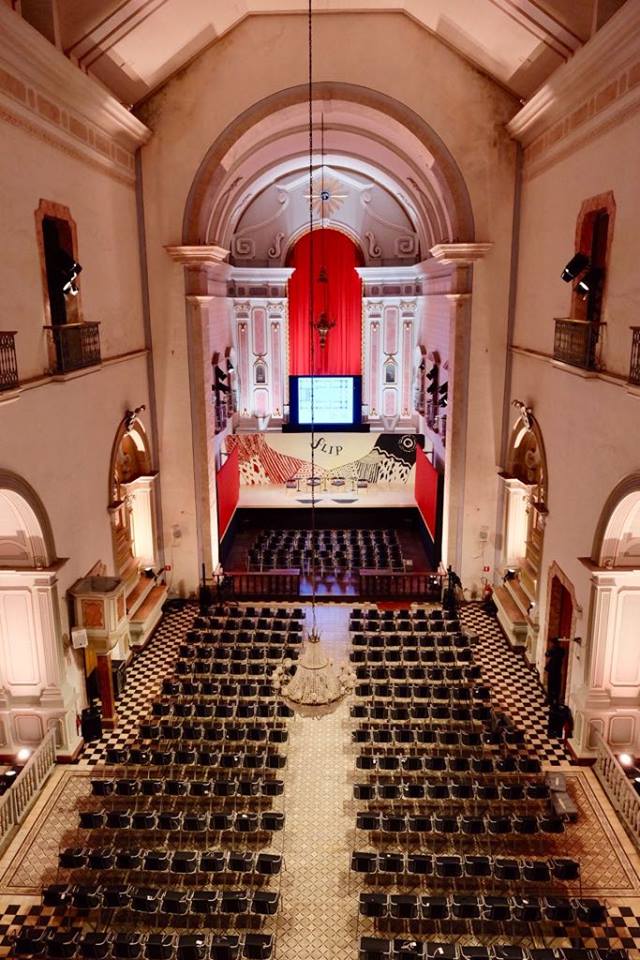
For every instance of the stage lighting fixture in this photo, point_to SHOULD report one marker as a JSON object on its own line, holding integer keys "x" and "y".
{"x": 219, "y": 377}
{"x": 432, "y": 377}
{"x": 625, "y": 759}
{"x": 68, "y": 270}
{"x": 578, "y": 263}
{"x": 444, "y": 395}
{"x": 588, "y": 282}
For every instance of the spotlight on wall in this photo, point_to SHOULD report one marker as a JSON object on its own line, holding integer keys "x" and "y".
{"x": 23, "y": 754}
{"x": 578, "y": 263}
{"x": 68, "y": 271}
{"x": 625, "y": 759}
{"x": 588, "y": 282}
{"x": 219, "y": 377}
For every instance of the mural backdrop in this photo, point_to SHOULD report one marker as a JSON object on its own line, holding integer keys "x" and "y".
{"x": 278, "y": 457}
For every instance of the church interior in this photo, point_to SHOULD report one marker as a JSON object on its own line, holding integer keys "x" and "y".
{"x": 319, "y": 480}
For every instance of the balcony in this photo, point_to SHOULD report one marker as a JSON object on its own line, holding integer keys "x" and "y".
{"x": 634, "y": 365}
{"x": 8, "y": 365}
{"x": 74, "y": 346}
{"x": 575, "y": 343}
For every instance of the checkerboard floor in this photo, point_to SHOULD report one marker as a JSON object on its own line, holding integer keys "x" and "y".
{"x": 515, "y": 685}
{"x": 144, "y": 678}
{"x": 517, "y": 692}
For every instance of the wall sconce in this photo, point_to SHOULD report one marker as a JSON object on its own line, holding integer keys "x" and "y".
{"x": 323, "y": 325}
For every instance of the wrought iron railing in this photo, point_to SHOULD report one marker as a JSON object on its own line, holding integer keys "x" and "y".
{"x": 617, "y": 786}
{"x": 634, "y": 366}
{"x": 379, "y": 584}
{"x": 77, "y": 345}
{"x": 8, "y": 364}
{"x": 17, "y": 801}
{"x": 575, "y": 343}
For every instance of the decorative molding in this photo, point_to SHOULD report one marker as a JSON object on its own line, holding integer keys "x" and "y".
{"x": 50, "y": 94}
{"x": 613, "y": 49}
{"x": 459, "y": 253}
{"x": 197, "y": 256}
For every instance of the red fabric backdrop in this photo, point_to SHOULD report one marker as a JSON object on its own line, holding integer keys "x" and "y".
{"x": 426, "y": 491}
{"x": 342, "y": 354}
{"x": 228, "y": 488}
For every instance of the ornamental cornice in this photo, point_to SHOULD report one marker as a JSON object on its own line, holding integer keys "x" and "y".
{"x": 459, "y": 254}
{"x": 197, "y": 256}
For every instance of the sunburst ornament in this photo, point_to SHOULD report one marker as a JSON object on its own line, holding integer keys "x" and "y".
{"x": 325, "y": 196}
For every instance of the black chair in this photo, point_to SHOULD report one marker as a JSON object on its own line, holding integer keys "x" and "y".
{"x": 63, "y": 944}
{"x": 496, "y": 909}
{"x": 265, "y": 903}
{"x": 506, "y": 869}
{"x": 31, "y": 942}
{"x": 256, "y": 946}
{"x": 372, "y": 948}
{"x": 363, "y": 862}
{"x": 96, "y": 945}
{"x": 268, "y": 864}
{"x": 191, "y": 946}
{"x": 204, "y": 902}
{"x": 160, "y": 946}
{"x": 403, "y": 906}
{"x": 225, "y": 947}
{"x": 127, "y": 946}
{"x": 373, "y": 905}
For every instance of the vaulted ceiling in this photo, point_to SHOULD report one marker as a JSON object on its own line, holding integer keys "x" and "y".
{"x": 133, "y": 46}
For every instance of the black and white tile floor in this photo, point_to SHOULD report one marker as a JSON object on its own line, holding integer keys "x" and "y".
{"x": 516, "y": 690}
{"x": 144, "y": 678}
{"x": 515, "y": 686}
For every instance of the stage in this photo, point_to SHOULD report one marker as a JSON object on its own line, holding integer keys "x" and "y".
{"x": 379, "y": 496}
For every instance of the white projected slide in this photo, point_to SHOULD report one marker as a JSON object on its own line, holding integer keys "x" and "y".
{"x": 332, "y": 399}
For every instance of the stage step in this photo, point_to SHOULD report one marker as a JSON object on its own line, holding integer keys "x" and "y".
{"x": 519, "y": 595}
{"x": 141, "y": 589}
{"x": 510, "y": 618}
{"x": 147, "y": 616}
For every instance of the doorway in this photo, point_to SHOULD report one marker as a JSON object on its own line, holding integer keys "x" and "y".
{"x": 560, "y": 625}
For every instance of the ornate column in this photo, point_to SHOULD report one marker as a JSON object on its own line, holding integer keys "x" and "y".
{"x": 469, "y": 456}
{"x": 205, "y": 281}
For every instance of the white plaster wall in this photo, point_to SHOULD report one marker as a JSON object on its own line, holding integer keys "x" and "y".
{"x": 551, "y": 203}
{"x": 58, "y": 437}
{"x": 104, "y": 209}
{"x": 589, "y": 426}
{"x": 385, "y": 52}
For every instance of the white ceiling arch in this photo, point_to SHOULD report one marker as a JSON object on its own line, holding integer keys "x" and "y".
{"x": 134, "y": 46}
{"x": 367, "y": 137}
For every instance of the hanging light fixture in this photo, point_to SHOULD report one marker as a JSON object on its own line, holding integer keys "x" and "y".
{"x": 313, "y": 685}
{"x": 323, "y": 324}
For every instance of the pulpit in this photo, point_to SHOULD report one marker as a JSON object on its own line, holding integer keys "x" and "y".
{"x": 100, "y": 609}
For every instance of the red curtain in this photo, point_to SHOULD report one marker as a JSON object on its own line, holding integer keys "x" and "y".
{"x": 228, "y": 488}
{"x": 426, "y": 491}
{"x": 343, "y": 351}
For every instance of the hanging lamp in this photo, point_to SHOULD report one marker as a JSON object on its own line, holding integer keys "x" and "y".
{"x": 313, "y": 685}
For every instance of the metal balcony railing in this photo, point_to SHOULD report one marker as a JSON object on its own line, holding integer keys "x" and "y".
{"x": 634, "y": 365}
{"x": 77, "y": 345}
{"x": 575, "y": 343}
{"x": 8, "y": 365}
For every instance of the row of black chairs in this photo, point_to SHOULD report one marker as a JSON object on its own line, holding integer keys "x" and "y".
{"x": 178, "y": 862}
{"x": 448, "y": 826}
{"x": 422, "y": 737}
{"x": 70, "y": 943}
{"x": 395, "y": 644}
{"x": 226, "y": 668}
{"x": 517, "y": 909}
{"x": 213, "y": 732}
{"x": 447, "y": 868}
{"x": 156, "y": 901}
{"x": 430, "y": 655}
{"x": 454, "y": 792}
{"x": 374, "y": 614}
{"x": 218, "y": 617}
{"x": 243, "y": 707}
{"x": 143, "y": 756}
{"x": 400, "y": 634}
{"x": 405, "y": 710}
{"x": 179, "y": 687}
{"x": 374, "y": 948}
{"x": 271, "y": 640}
{"x": 381, "y": 679}
{"x": 429, "y": 673}
{"x": 236, "y": 654}
{"x": 389, "y": 763}
{"x": 183, "y": 821}
{"x": 132, "y": 787}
